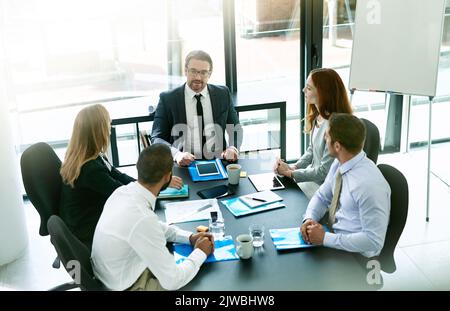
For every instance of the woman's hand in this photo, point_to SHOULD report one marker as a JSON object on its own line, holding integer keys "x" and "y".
{"x": 282, "y": 168}
{"x": 176, "y": 182}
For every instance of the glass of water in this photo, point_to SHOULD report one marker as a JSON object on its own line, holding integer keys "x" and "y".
{"x": 257, "y": 233}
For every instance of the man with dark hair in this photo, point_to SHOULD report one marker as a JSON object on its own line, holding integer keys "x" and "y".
{"x": 193, "y": 118}
{"x": 355, "y": 194}
{"x": 154, "y": 163}
{"x": 350, "y": 132}
{"x": 129, "y": 250}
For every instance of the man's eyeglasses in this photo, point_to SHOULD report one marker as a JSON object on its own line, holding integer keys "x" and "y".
{"x": 203, "y": 73}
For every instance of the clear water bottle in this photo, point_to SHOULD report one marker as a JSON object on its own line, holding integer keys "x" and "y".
{"x": 216, "y": 226}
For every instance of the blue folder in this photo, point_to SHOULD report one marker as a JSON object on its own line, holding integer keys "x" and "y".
{"x": 239, "y": 208}
{"x": 224, "y": 250}
{"x": 222, "y": 174}
{"x": 289, "y": 238}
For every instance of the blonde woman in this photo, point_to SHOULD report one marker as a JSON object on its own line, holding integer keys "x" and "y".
{"x": 88, "y": 177}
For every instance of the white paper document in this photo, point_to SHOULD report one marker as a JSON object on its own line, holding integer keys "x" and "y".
{"x": 186, "y": 211}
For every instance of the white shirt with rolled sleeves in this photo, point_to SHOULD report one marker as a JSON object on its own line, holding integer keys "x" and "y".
{"x": 364, "y": 206}
{"x": 129, "y": 238}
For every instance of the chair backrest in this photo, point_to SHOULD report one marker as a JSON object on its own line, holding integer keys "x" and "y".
{"x": 145, "y": 139}
{"x": 136, "y": 121}
{"x": 397, "y": 217}
{"x": 74, "y": 255}
{"x": 372, "y": 142}
{"x": 40, "y": 174}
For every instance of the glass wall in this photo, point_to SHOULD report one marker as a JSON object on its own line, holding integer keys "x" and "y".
{"x": 196, "y": 25}
{"x": 64, "y": 54}
{"x": 338, "y": 27}
{"x": 268, "y": 60}
{"x": 61, "y": 55}
{"x": 418, "y": 133}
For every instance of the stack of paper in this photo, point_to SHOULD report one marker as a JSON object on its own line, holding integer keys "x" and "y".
{"x": 238, "y": 208}
{"x": 186, "y": 211}
{"x": 224, "y": 250}
{"x": 289, "y": 238}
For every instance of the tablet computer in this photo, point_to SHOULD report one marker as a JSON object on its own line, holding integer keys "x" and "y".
{"x": 207, "y": 169}
{"x": 266, "y": 181}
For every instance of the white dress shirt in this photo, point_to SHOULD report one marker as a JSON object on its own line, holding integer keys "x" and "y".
{"x": 193, "y": 141}
{"x": 129, "y": 238}
{"x": 363, "y": 208}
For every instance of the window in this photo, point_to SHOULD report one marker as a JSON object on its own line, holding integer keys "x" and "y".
{"x": 418, "y": 133}
{"x": 268, "y": 59}
{"x": 338, "y": 26}
{"x": 62, "y": 55}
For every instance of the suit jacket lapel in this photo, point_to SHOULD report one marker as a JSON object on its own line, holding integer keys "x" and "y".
{"x": 181, "y": 106}
{"x": 214, "y": 104}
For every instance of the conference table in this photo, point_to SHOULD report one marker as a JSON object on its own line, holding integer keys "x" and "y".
{"x": 318, "y": 268}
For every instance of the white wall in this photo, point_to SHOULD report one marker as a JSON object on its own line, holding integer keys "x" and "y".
{"x": 13, "y": 234}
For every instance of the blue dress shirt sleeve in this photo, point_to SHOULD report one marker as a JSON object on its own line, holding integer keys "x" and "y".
{"x": 374, "y": 206}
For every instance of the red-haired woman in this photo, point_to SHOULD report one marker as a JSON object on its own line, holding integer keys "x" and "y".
{"x": 325, "y": 93}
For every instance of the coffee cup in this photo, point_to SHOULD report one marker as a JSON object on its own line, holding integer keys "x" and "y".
{"x": 234, "y": 173}
{"x": 244, "y": 247}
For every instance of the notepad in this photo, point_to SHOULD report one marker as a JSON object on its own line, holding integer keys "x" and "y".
{"x": 172, "y": 193}
{"x": 224, "y": 250}
{"x": 260, "y": 198}
{"x": 239, "y": 208}
{"x": 290, "y": 238}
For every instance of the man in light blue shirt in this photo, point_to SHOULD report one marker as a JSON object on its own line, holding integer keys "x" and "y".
{"x": 355, "y": 194}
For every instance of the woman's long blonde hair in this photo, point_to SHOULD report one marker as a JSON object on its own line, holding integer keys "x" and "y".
{"x": 331, "y": 96}
{"x": 90, "y": 137}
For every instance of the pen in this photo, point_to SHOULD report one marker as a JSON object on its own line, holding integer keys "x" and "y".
{"x": 257, "y": 199}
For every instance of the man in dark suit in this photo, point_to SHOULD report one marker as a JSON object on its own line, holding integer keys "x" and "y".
{"x": 192, "y": 119}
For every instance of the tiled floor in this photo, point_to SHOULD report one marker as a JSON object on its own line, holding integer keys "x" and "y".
{"x": 423, "y": 252}
{"x": 422, "y": 256}
{"x": 33, "y": 271}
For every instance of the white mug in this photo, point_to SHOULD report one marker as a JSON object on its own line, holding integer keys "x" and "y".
{"x": 244, "y": 246}
{"x": 234, "y": 173}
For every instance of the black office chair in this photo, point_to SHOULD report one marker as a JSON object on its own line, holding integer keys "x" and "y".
{"x": 40, "y": 174}
{"x": 74, "y": 256}
{"x": 372, "y": 142}
{"x": 397, "y": 217}
{"x": 397, "y": 221}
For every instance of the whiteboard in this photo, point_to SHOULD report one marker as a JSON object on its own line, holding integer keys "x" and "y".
{"x": 396, "y": 46}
